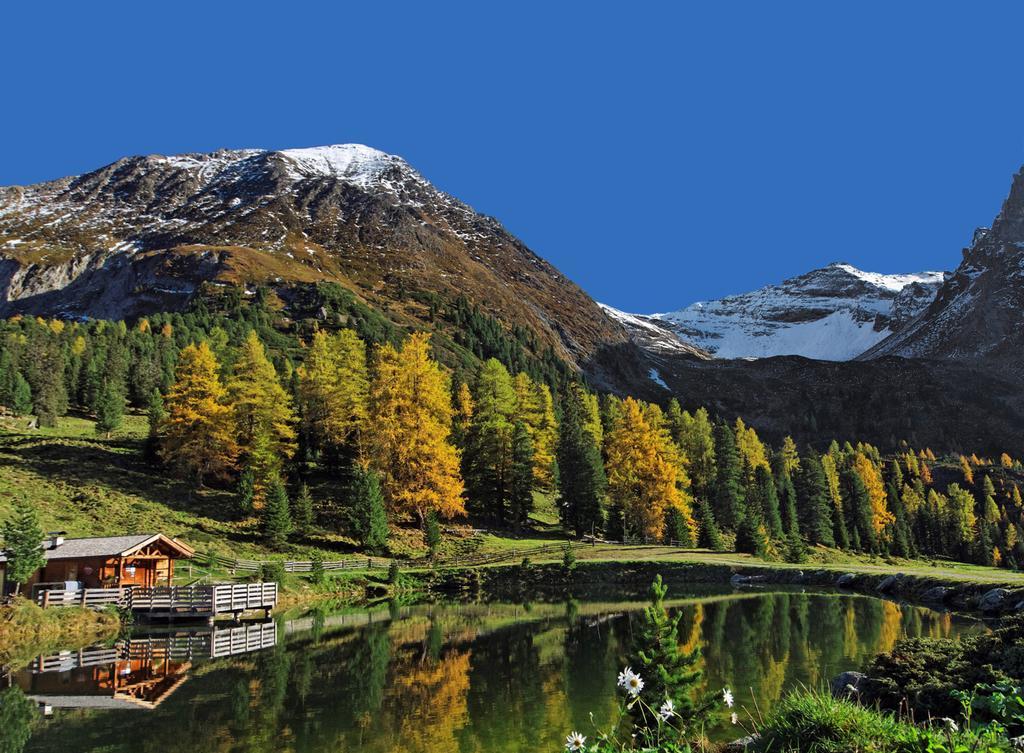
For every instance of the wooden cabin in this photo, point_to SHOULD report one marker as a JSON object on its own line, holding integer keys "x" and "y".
{"x": 145, "y": 559}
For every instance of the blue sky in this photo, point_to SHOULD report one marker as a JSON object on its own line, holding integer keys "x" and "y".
{"x": 658, "y": 155}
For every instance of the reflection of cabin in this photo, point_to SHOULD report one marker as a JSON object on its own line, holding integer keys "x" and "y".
{"x": 135, "y": 673}
{"x": 145, "y": 559}
{"x": 119, "y": 683}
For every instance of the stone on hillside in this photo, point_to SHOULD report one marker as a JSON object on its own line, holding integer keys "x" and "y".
{"x": 846, "y": 580}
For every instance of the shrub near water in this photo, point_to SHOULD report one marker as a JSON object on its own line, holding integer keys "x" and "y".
{"x": 809, "y": 722}
{"x": 924, "y": 674}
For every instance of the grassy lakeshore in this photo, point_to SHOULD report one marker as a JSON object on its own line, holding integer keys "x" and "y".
{"x": 91, "y": 485}
{"x": 27, "y": 630}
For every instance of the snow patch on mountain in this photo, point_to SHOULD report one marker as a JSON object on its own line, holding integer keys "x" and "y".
{"x": 833, "y": 314}
{"x": 354, "y": 163}
{"x": 652, "y": 335}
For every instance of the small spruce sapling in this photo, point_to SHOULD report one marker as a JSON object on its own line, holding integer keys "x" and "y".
{"x": 568, "y": 557}
{"x": 316, "y": 569}
{"x": 433, "y": 534}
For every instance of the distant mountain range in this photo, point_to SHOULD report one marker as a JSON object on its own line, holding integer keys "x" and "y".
{"x": 834, "y": 313}
{"x": 931, "y": 357}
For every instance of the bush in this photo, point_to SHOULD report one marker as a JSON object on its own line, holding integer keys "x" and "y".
{"x": 393, "y": 572}
{"x": 271, "y": 572}
{"x": 924, "y": 673}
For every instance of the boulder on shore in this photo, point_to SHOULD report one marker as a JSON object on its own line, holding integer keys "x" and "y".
{"x": 847, "y": 685}
{"x": 936, "y": 595}
{"x": 738, "y": 746}
{"x": 992, "y": 601}
{"x": 889, "y": 583}
{"x": 846, "y": 580}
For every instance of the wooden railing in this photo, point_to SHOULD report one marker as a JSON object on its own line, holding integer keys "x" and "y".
{"x": 205, "y": 600}
{"x": 180, "y": 648}
{"x": 241, "y": 640}
{"x": 214, "y": 599}
{"x": 68, "y": 660}
{"x": 242, "y": 597}
{"x": 94, "y": 598}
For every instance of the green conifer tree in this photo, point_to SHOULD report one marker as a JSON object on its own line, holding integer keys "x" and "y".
{"x": 787, "y": 500}
{"x": 21, "y": 395}
{"x": 728, "y": 499}
{"x": 813, "y": 502}
{"x": 109, "y": 408}
{"x": 669, "y": 672}
{"x": 677, "y": 529}
{"x": 581, "y": 472}
{"x": 277, "y": 520}
{"x": 369, "y": 514}
{"x": 246, "y": 492}
{"x": 520, "y": 501}
{"x": 709, "y": 536}
{"x": 302, "y": 511}
{"x": 857, "y": 504}
{"x": 23, "y": 539}
{"x": 764, "y": 496}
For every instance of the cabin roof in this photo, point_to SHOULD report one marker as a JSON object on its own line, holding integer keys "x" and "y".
{"x": 109, "y": 546}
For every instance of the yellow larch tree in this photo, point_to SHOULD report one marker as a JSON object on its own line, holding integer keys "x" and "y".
{"x": 334, "y": 391}
{"x": 752, "y": 450}
{"x": 197, "y": 436}
{"x": 545, "y": 440}
{"x": 264, "y": 418}
{"x": 410, "y": 447}
{"x": 965, "y": 468}
{"x": 643, "y": 472}
{"x": 871, "y": 476}
{"x": 828, "y": 465}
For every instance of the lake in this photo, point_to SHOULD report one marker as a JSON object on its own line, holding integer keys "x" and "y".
{"x": 473, "y": 678}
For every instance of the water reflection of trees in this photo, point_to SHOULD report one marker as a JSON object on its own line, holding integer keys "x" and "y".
{"x": 483, "y": 681}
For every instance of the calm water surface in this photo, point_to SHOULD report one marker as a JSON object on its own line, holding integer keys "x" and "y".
{"x": 467, "y": 678}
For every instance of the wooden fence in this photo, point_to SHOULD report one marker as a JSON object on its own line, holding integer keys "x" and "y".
{"x": 377, "y": 563}
{"x": 301, "y": 566}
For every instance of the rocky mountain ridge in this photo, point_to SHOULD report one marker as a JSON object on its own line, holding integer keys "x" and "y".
{"x": 978, "y": 314}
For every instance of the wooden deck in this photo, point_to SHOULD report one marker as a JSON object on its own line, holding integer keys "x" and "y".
{"x": 170, "y": 602}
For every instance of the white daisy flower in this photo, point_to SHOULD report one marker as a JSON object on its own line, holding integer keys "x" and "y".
{"x": 734, "y": 718}
{"x": 727, "y": 697}
{"x": 667, "y": 710}
{"x": 575, "y": 742}
{"x": 634, "y": 684}
{"x": 951, "y": 726}
{"x": 624, "y": 677}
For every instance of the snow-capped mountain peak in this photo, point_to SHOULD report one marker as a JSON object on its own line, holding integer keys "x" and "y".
{"x": 354, "y": 163}
{"x": 833, "y": 313}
